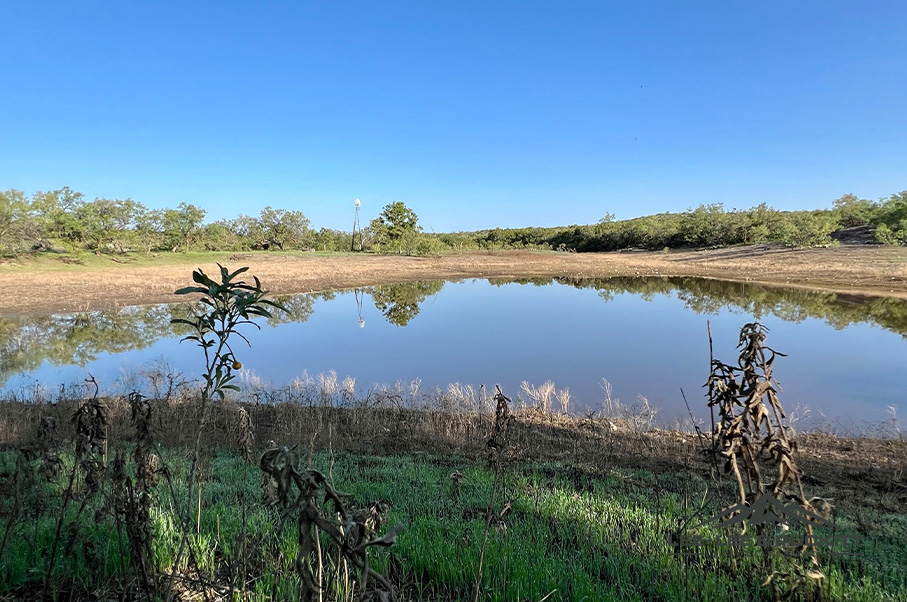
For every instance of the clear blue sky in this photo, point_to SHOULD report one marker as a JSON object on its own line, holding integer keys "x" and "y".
{"x": 475, "y": 114}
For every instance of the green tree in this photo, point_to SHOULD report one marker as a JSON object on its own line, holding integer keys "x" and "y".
{"x": 891, "y": 220}
{"x": 19, "y": 230}
{"x": 56, "y": 213}
{"x": 248, "y": 230}
{"x": 107, "y": 224}
{"x": 283, "y": 228}
{"x": 394, "y": 223}
{"x": 327, "y": 239}
{"x": 707, "y": 225}
{"x": 805, "y": 229}
{"x": 222, "y": 235}
{"x": 183, "y": 224}
{"x": 853, "y": 211}
{"x": 760, "y": 220}
{"x": 149, "y": 228}
{"x": 893, "y": 210}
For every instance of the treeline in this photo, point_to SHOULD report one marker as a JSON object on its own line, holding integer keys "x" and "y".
{"x": 708, "y": 226}
{"x": 63, "y": 220}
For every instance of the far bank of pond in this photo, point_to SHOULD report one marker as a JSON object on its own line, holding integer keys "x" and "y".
{"x": 48, "y": 286}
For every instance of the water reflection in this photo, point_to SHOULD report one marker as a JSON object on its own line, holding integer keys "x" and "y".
{"x": 25, "y": 343}
{"x": 705, "y": 296}
{"x": 399, "y": 303}
{"x": 77, "y": 339}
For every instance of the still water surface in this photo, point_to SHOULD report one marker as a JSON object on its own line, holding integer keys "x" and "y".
{"x": 847, "y": 356}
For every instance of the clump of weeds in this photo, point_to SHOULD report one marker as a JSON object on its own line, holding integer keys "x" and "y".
{"x": 758, "y": 447}
{"x": 306, "y": 494}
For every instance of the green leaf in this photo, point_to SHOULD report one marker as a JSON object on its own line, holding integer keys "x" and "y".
{"x": 238, "y": 272}
{"x": 200, "y": 277}
{"x": 189, "y": 289}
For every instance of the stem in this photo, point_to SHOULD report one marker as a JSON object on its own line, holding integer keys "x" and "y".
{"x": 708, "y": 326}
{"x": 196, "y": 453}
{"x": 320, "y": 570}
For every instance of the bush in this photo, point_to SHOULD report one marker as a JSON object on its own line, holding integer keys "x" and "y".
{"x": 892, "y": 236}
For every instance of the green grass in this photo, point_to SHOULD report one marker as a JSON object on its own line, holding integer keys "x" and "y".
{"x": 582, "y": 534}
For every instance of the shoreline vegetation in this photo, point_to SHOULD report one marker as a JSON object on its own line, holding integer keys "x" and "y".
{"x": 63, "y": 221}
{"x": 597, "y": 497}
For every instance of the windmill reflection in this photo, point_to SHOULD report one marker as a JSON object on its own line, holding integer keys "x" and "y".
{"x": 360, "y": 296}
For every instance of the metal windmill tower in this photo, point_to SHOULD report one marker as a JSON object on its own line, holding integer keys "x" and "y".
{"x": 356, "y": 227}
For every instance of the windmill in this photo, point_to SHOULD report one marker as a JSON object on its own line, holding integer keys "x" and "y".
{"x": 355, "y": 227}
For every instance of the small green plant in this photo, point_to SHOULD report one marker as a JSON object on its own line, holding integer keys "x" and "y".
{"x": 225, "y": 305}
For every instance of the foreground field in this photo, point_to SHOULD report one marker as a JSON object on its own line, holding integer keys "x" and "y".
{"x": 95, "y": 283}
{"x": 585, "y": 509}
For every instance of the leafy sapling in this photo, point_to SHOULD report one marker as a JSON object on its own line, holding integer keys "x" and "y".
{"x": 229, "y": 304}
{"x": 225, "y": 305}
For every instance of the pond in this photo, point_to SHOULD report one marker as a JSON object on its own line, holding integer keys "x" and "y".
{"x": 846, "y": 355}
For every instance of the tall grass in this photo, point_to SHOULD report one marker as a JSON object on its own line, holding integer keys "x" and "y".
{"x": 598, "y": 533}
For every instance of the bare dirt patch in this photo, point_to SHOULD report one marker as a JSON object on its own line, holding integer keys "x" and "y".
{"x": 865, "y": 270}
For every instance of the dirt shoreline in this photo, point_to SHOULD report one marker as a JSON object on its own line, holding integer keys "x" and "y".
{"x": 854, "y": 270}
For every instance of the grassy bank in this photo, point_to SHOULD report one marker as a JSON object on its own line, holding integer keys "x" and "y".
{"x": 585, "y": 507}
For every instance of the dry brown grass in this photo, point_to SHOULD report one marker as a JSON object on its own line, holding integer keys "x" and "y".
{"x": 854, "y": 269}
{"x": 859, "y": 472}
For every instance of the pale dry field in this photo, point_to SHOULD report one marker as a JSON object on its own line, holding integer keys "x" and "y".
{"x": 867, "y": 270}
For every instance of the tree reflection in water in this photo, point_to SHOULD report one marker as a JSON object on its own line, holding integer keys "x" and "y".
{"x": 702, "y": 295}
{"x": 400, "y": 302}
{"x": 77, "y": 339}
